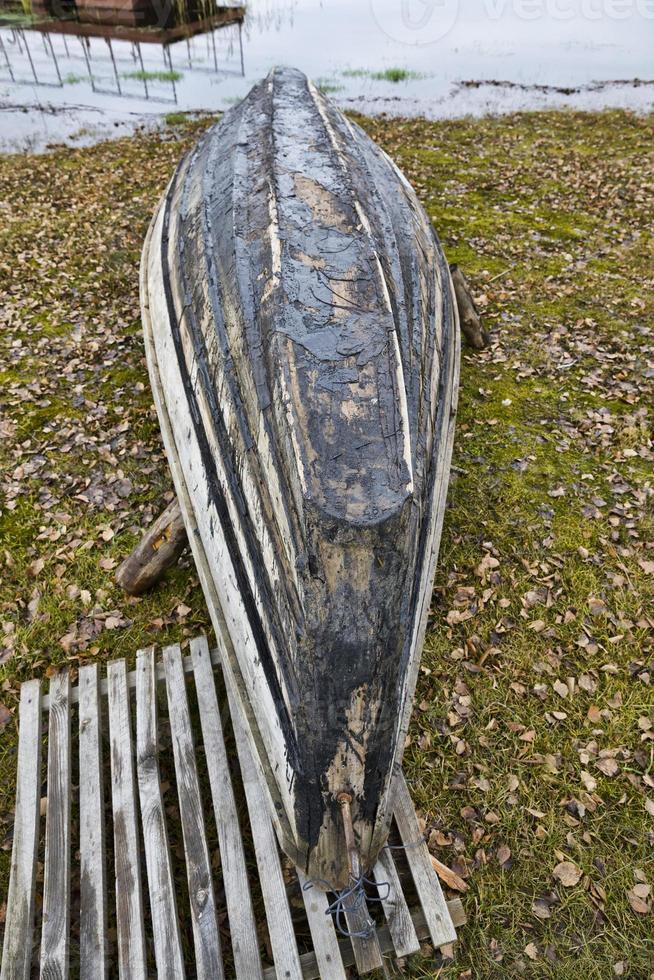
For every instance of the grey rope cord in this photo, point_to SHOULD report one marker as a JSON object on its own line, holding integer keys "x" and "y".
{"x": 356, "y": 889}
{"x": 337, "y": 908}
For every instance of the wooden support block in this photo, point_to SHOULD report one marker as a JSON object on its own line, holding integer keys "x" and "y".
{"x": 159, "y": 548}
{"x": 56, "y": 880}
{"x": 474, "y": 332}
{"x": 19, "y": 924}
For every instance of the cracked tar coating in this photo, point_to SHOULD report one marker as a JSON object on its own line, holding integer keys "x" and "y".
{"x": 306, "y": 341}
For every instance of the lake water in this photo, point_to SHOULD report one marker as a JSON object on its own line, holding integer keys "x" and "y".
{"x": 461, "y": 56}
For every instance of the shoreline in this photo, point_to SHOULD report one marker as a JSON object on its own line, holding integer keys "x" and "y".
{"x": 39, "y": 126}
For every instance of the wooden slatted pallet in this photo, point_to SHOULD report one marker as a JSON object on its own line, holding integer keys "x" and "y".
{"x": 123, "y": 909}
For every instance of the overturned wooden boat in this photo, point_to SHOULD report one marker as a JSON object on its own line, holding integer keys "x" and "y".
{"x": 303, "y": 348}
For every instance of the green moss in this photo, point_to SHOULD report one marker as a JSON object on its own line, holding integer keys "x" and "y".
{"x": 547, "y": 214}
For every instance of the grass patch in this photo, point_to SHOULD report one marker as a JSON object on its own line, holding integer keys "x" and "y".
{"x": 531, "y": 741}
{"x": 384, "y": 75}
{"x": 72, "y": 79}
{"x": 168, "y": 75}
{"x": 16, "y": 18}
{"x": 396, "y": 75}
{"x": 175, "y": 118}
{"x": 328, "y": 86}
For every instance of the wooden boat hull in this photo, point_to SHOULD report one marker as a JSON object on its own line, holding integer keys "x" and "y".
{"x": 302, "y": 342}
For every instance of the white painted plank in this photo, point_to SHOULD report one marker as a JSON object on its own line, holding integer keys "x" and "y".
{"x": 202, "y": 523}
{"x": 323, "y": 933}
{"x": 398, "y": 916}
{"x": 19, "y": 925}
{"x": 441, "y": 462}
{"x": 93, "y": 879}
{"x": 434, "y": 906}
{"x": 208, "y": 956}
{"x": 278, "y": 913}
{"x": 227, "y": 655}
{"x": 163, "y": 907}
{"x": 56, "y": 880}
{"x": 243, "y": 928}
{"x": 129, "y": 898}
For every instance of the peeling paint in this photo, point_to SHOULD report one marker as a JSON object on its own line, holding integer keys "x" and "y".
{"x": 310, "y": 313}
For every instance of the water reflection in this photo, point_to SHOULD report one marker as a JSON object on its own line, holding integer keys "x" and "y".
{"x": 100, "y": 46}
{"x": 104, "y": 66}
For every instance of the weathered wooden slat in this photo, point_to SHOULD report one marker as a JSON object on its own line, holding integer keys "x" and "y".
{"x": 311, "y": 969}
{"x": 208, "y": 955}
{"x": 161, "y": 888}
{"x": 103, "y": 684}
{"x": 441, "y": 928}
{"x": 363, "y": 935}
{"x": 331, "y": 955}
{"x": 400, "y": 925}
{"x": 93, "y": 880}
{"x": 19, "y": 924}
{"x": 278, "y": 913}
{"x": 129, "y": 898}
{"x": 56, "y": 880}
{"x": 243, "y": 928}
{"x": 323, "y": 933}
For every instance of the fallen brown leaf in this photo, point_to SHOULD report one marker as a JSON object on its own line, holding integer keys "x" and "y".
{"x": 567, "y": 873}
